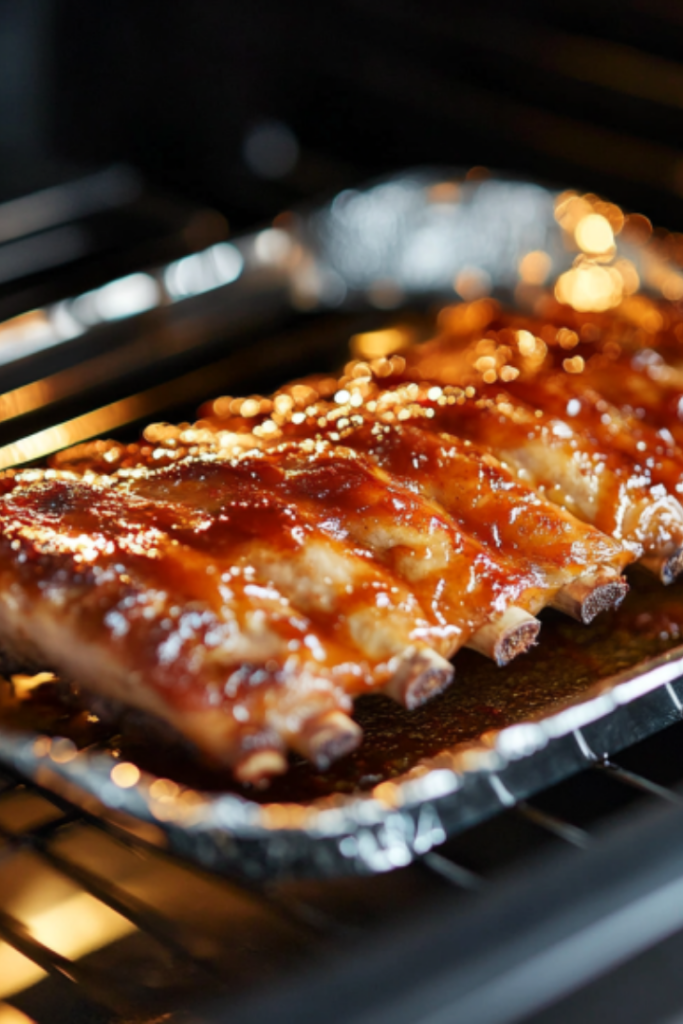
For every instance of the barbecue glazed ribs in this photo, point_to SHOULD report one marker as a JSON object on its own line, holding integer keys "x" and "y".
{"x": 247, "y": 577}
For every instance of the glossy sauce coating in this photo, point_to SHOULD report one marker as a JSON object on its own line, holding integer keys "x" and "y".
{"x": 575, "y": 378}
{"x": 499, "y": 510}
{"x": 457, "y": 578}
{"x": 405, "y": 504}
{"x": 167, "y": 599}
{"x": 424, "y": 433}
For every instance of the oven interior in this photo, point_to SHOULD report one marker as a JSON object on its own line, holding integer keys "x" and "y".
{"x": 563, "y": 908}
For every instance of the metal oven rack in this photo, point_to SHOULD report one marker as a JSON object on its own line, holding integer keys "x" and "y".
{"x": 97, "y": 925}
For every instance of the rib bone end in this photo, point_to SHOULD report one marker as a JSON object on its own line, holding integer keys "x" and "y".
{"x": 588, "y": 596}
{"x": 421, "y": 675}
{"x": 668, "y": 568}
{"x": 259, "y": 766}
{"x": 511, "y": 634}
{"x": 326, "y": 737}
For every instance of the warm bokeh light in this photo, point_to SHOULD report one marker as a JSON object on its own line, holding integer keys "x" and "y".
{"x": 637, "y": 229}
{"x": 535, "y": 267}
{"x": 663, "y": 277}
{"x": 472, "y": 283}
{"x": 444, "y": 192}
{"x": 642, "y": 312}
{"x": 590, "y": 287}
{"x": 593, "y": 234}
{"x": 629, "y": 276}
{"x": 570, "y": 209}
{"x": 469, "y": 317}
{"x": 575, "y": 214}
{"x": 164, "y": 790}
{"x": 125, "y": 775}
{"x": 376, "y": 344}
{"x": 575, "y": 364}
{"x": 63, "y": 750}
{"x": 23, "y": 685}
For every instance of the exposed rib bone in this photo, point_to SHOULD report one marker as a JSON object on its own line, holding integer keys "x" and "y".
{"x": 513, "y": 633}
{"x": 421, "y": 675}
{"x": 589, "y": 595}
{"x": 326, "y": 737}
{"x": 666, "y": 567}
{"x": 259, "y": 766}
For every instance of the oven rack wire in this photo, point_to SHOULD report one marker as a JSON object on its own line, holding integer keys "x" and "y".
{"x": 157, "y": 954}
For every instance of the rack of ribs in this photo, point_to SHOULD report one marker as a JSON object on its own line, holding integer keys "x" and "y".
{"x": 247, "y": 577}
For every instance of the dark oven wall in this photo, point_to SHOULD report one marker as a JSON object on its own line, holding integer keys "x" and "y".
{"x": 253, "y": 107}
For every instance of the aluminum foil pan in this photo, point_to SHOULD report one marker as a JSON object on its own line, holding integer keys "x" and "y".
{"x": 365, "y": 824}
{"x": 495, "y": 737}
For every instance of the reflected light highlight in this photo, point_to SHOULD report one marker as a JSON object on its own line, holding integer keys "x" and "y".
{"x": 376, "y": 344}
{"x": 472, "y": 283}
{"x": 125, "y": 775}
{"x": 273, "y": 245}
{"x": 73, "y": 927}
{"x": 127, "y": 296}
{"x": 10, "y": 1015}
{"x": 589, "y": 287}
{"x": 219, "y": 265}
{"x": 26, "y": 329}
{"x": 36, "y": 446}
{"x": 23, "y": 685}
{"x": 535, "y": 267}
{"x": 594, "y": 234}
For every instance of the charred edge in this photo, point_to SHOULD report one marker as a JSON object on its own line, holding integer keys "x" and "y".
{"x": 257, "y": 767}
{"x": 583, "y": 600}
{"x": 512, "y": 634}
{"x": 327, "y": 737}
{"x": 421, "y": 676}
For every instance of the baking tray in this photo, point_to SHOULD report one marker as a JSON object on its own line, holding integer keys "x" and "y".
{"x": 496, "y": 736}
{"x": 402, "y": 793}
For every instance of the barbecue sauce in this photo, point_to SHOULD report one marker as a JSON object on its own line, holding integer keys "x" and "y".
{"x": 571, "y": 659}
{"x": 485, "y": 424}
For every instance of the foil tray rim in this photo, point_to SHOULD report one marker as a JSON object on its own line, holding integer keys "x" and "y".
{"x": 393, "y": 823}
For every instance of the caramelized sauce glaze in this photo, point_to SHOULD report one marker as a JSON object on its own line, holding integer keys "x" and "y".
{"x": 401, "y": 505}
{"x": 571, "y": 658}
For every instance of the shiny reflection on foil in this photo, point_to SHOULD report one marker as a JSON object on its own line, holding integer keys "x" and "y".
{"x": 421, "y": 235}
